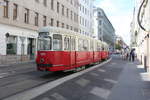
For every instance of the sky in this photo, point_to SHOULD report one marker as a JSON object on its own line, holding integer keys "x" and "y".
{"x": 119, "y": 12}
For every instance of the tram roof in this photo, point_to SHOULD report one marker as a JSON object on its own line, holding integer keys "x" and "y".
{"x": 66, "y": 32}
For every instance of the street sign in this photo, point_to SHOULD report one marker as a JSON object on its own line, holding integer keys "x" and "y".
{"x": 3, "y": 3}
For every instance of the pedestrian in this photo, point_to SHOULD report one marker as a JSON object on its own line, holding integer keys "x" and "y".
{"x": 132, "y": 55}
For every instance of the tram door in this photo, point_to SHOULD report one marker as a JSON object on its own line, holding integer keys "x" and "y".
{"x": 73, "y": 51}
{"x": 31, "y": 48}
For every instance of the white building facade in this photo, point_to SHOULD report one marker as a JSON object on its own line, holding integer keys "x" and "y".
{"x": 103, "y": 29}
{"x": 86, "y": 16}
{"x": 20, "y": 21}
{"x": 139, "y": 38}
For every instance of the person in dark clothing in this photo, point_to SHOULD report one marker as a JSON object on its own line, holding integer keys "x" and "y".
{"x": 132, "y": 55}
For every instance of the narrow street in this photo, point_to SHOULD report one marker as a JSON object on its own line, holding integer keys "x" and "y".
{"x": 116, "y": 80}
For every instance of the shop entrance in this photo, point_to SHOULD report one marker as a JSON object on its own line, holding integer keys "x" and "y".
{"x": 31, "y": 48}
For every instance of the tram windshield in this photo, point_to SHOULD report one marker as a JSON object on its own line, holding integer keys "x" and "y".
{"x": 44, "y": 43}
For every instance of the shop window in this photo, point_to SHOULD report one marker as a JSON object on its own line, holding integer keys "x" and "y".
{"x": 11, "y": 45}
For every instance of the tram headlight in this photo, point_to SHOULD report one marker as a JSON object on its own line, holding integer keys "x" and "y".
{"x": 41, "y": 60}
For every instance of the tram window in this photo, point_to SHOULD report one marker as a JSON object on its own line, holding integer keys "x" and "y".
{"x": 85, "y": 45}
{"x": 80, "y": 45}
{"x": 44, "y": 44}
{"x": 91, "y": 45}
{"x": 57, "y": 42}
{"x": 98, "y": 47}
{"x": 73, "y": 43}
{"x": 66, "y": 43}
{"x": 103, "y": 48}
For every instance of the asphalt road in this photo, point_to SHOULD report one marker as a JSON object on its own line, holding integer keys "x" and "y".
{"x": 15, "y": 79}
{"x": 18, "y": 78}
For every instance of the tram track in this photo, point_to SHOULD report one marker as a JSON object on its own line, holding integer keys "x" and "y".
{"x": 25, "y": 78}
{"x": 22, "y": 80}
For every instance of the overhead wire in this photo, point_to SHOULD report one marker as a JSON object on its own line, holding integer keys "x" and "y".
{"x": 139, "y": 14}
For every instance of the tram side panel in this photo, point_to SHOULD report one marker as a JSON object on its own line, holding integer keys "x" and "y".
{"x": 83, "y": 58}
{"x": 54, "y": 60}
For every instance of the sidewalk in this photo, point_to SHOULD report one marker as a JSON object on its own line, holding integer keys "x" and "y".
{"x": 116, "y": 80}
{"x": 18, "y": 63}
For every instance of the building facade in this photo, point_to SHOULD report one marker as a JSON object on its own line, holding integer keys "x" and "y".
{"x": 86, "y": 16}
{"x": 140, "y": 38}
{"x": 21, "y": 19}
{"x": 103, "y": 28}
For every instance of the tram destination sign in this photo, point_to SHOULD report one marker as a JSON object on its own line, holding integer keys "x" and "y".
{"x": 44, "y": 34}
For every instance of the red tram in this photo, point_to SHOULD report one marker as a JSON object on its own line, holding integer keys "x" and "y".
{"x": 61, "y": 50}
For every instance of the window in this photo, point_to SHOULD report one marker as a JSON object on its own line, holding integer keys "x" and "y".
{"x": 6, "y": 9}
{"x": 52, "y": 4}
{"x": 11, "y": 45}
{"x": 73, "y": 44}
{"x": 66, "y": 43}
{"x": 74, "y": 16}
{"x": 91, "y": 45}
{"x": 63, "y": 25}
{"x": 85, "y": 45}
{"x": 26, "y": 16}
{"x": 80, "y": 45}
{"x": 99, "y": 14}
{"x": 57, "y": 23}
{"x": 71, "y": 1}
{"x": 45, "y": 2}
{"x": 71, "y": 15}
{"x": 67, "y": 12}
{"x": 36, "y": 18}
{"x": 44, "y": 20}
{"x": 15, "y": 10}
{"x": 67, "y": 26}
{"x": 52, "y": 22}
{"x": 100, "y": 22}
{"x": 45, "y": 43}
{"x": 98, "y": 47}
{"x": 37, "y": 0}
{"x": 57, "y": 42}
{"x": 71, "y": 28}
{"x": 63, "y": 9}
{"x": 57, "y": 7}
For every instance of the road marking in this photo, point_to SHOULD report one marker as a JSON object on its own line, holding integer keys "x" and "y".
{"x": 102, "y": 70}
{"x": 110, "y": 80}
{"x": 82, "y": 82}
{"x": 100, "y": 92}
{"x": 57, "y": 96}
{"x": 94, "y": 74}
{"x": 30, "y": 94}
{"x": 2, "y": 75}
{"x": 45, "y": 98}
